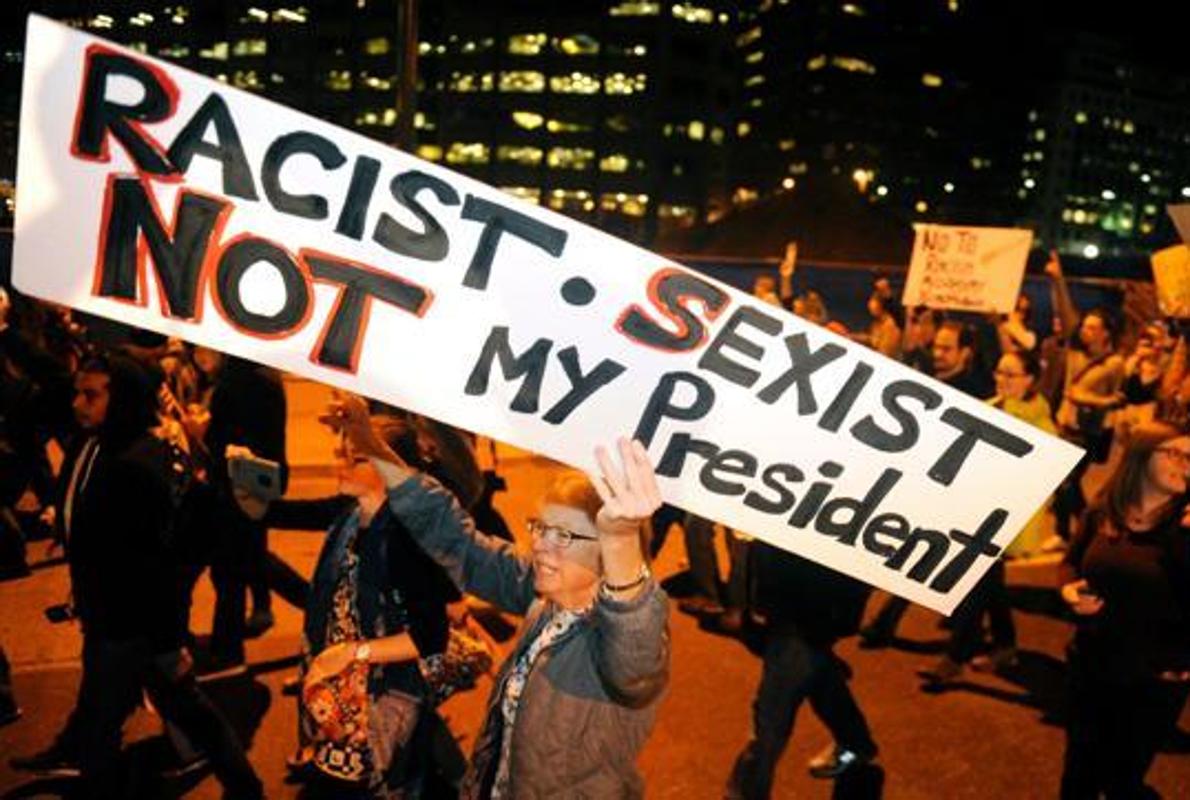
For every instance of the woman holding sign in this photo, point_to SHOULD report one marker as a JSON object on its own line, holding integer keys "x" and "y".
{"x": 577, "y": 698}
{"x": 1130, "y": 658}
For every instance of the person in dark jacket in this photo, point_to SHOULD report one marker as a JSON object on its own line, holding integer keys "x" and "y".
{"x": 376, "y": 622}
{"x": 117, "y": 513}
{"x": 809, "y": 607}
{"x": 576, "y": 700}
{"x": 1129, "y": 662}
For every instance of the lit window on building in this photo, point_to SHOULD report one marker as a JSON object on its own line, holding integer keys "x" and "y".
{"x": 619, "y": 123}
{"x": 755, "y": 102}
{"x": 696, "y": 130}
{"x": 754, "y": 58}
{"x": 574, "y": 83}
{"x": 623, "y": 83}
{"x": 743, "y": 195}
{"x": 576, "y": 158}
{"x": 295, "y": 15}
{"x": 566, "y": 126}
{"x": 1128, "y": 127}
{"x": 522, "y": 80}
{"x": 571, "y": 200}
{"x": 471, "y": 82}
{"x": 429, "y": 152}
{"x": 952, "y": 6}
{"x": 379, "y": 46}
{"x": 174, "y": 51}
{"x": 100, "y": 21}
{"x": 754, "y": 80}
{"x": 519, "y": 154}
{"x": 688, "y": 12}
{"x": 749, "y": 36}
{"x": 425, "y": 48}
{"x": 786, "y": 145}
{"x": 258, "y": 15}
{"x": 816, "y": 63}
{"x": 246, "y": 79}
{"x": 216, "y": 52}
{"x": 635, "y": 8}
{"x": 630, "y": 205}
{"x": 854, "y": 10}
{"x": 921, "y": 206}
{"x": 580, "y": 44}
{"x": 338, "y": 80}
{"x": 141, "y": 20}
{"x": 852, "y": 64}
{"x": 250, "y": 47}
{"x": 386, "y": 117}
{"x": 421, "y": 122}
{"x": 717, "y": 135}
{"x": 743, "y": 128}
{"x": 468, "y": 153}
{"x": 526, "y": 44}
{"x": 530, "y": 194}
{"x": 614, "y": 162}
{"x": 528, "y": 120}
{"x": 684, "y": 216}
{"x": 931, "y": 80}
{"x": 1080, "y": 117}
{"x": 1039, "y": 135}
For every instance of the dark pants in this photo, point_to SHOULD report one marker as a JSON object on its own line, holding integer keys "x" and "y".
{"x": 885, "y": 623}
{"x": 795, "y": 670}
{"x": 1113, "y": 732}
{"x": 271, "y": 574}
{"x": 1069, "y": 502}
{"x": 114, "y": 673}
{"x": 8, "y": 703}
{"x": 704, "y": 564}
{"x": 237, "y": 543}
{"x": 989, "y": 596}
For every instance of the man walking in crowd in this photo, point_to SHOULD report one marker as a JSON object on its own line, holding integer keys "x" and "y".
{"x": 117, "y": 518}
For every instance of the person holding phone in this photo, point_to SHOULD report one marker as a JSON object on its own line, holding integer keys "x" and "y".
{"x": 577, "y": 698}
{"x": 1129, "y": 588}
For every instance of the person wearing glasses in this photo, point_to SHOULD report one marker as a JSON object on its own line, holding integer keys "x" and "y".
{"x": 1016, "y": 377}
{"x": 577, "y": 698}
{"x": 1129, "y": 662}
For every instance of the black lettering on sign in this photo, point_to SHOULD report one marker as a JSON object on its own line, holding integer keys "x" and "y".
{"x": 673, "y": 460}
{"x": 892, "y": 525}
{"x": 936, "y": 544}
{"x": 802, "y": 364}
{"x": 581, "y": 386}
{"x": 661, "y": 405}
{"x": 727, "y": 462}
{"x": 815, "y": 495}
{"x": 354, "y": 213}
{"x": 131, "y": 227}
{"x": 847, "y": 530}
{"x": 498, "y": 220}
{"x": 228, "y": 150}
{"x": 531, "y": 364}
{"x": 343, "y": 336}
{"x": 432, "y": 243}
{"x": 239, "y": 255}
{"x": 713, "y": 360}
{"x": 670, "y": 291}
{"x": 785, "y": 498}
{"x": 309, "y": 206}
{"x": 97, "y": 116}
{"x": 871, "y": 434}
{"x": 971, "y": 431}
{"x": 974, "y": 545}
{"x": 840, "y": 407}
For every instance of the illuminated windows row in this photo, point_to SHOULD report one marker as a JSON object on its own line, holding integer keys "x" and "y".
{"x": 342, "y": 80}
{"x": 845, "y": 63}
{"x": 533, "y": 82}
{"x": 563, "y": 158}
{"x": 534, "y": 44}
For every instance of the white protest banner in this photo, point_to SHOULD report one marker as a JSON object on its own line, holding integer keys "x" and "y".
{"x": 1171, "y": 275}
{"x": 967, "y": 269}
{"x": 175, "y": 203}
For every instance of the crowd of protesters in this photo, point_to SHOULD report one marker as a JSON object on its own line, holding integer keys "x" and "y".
{"x": 150, "y": 461}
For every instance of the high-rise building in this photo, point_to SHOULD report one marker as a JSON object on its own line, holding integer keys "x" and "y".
{"x": 617, "y": 112}
{"x": 1107, "y": 146}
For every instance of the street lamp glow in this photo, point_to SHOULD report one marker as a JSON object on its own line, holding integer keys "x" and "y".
{"x": 1091, "y": 251}
{"x": 882, "y": 190}
{"x": 1030, "y": 183}
{"x": 948, "y": 187}
{"x": 1108, "y": 194}
{"x": 1186, "y": 191}
{"x": 788, "y": 183}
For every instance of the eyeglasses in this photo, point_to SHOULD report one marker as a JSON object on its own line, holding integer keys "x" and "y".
{"x": 556, "y": 535}
{"x": 1180, "y": 456}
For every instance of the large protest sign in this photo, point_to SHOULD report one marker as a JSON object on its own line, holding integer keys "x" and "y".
{"x": 175, "y": 203}
{"x": 967, "y": 269}
{"x": 1171, "y": 275}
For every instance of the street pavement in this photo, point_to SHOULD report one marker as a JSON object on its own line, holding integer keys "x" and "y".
{"x": 988, "y": 736}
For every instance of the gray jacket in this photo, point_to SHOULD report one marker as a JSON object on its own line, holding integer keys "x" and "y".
{"x": 591, "y": 698}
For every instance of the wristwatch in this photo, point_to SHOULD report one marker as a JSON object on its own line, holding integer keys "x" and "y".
{"x": 642, "y": 576}
{"x": 363, "y": 652}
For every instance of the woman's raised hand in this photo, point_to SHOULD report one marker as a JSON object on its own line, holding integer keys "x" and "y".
{"x": 629, "y": 492}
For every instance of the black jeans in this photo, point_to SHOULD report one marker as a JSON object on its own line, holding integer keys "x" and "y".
{"x": 795, "y": 670}
{"x": 990, "y": 596}
{"x": 114, "y": 673}
{"x": 1113, "y": 732}
{"x": 238, "y": 541}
